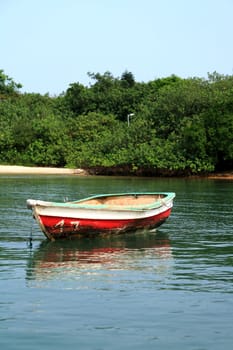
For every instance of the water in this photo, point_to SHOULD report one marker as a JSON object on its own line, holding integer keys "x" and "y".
{"x": 172, "y": 290}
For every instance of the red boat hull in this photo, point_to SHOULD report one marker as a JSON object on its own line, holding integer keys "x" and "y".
{"x": 57, "y": 227}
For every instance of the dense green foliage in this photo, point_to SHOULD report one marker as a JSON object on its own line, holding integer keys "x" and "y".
{"x": 168, "y": 126}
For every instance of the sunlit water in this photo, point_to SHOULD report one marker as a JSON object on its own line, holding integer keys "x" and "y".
{"x": 169, "y": 290}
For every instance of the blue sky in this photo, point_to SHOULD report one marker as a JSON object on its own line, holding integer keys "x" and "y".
{"x": 48, "y": 44}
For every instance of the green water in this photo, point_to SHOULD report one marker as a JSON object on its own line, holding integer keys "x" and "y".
{"x": 172, "y": 290}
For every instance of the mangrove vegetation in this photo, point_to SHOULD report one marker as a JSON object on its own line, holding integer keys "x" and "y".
{"x": 168, "y": 126}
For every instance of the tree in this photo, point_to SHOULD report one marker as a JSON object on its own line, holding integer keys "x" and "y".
{"x": 78, "y": 99}
{"x": 7, "y": 85}
{"x": 183, "y": 99}
{"x": 127, "y": 79}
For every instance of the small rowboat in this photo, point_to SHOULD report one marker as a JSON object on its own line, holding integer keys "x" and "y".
{"x": 102, "y": 214}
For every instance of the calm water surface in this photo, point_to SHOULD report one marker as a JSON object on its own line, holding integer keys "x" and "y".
{"x": 170, "y": 290}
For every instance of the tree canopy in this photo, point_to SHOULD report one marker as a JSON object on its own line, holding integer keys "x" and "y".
{"x": 168, "y": 126}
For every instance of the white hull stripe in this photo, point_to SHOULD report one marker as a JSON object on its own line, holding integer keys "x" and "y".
{"x": 102, "y": 214}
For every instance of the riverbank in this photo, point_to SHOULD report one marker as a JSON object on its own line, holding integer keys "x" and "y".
{"x": 222, "y": 176}
{"x": 21, "y": 170}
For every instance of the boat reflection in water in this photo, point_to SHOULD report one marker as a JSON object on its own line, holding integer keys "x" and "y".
{"x": 70, "y": 259}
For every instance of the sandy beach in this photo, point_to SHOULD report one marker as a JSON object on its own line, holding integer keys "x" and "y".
{"x": 16, "y": 169}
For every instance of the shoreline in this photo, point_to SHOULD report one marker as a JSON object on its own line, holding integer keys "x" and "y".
{"x": 221, "y": 176}
{"x": 26, "y": 170}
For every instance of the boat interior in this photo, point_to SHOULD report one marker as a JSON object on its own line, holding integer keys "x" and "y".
{"x": 124, "y": 200}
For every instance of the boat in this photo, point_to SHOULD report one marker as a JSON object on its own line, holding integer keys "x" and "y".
{"x": 102, "y": 214}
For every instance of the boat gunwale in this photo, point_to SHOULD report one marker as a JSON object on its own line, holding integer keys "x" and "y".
{"x": 168, "y": 196}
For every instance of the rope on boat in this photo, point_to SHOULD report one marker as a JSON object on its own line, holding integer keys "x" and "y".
{"x": 29, "y": 243}
{"x": 30, "y": 239}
